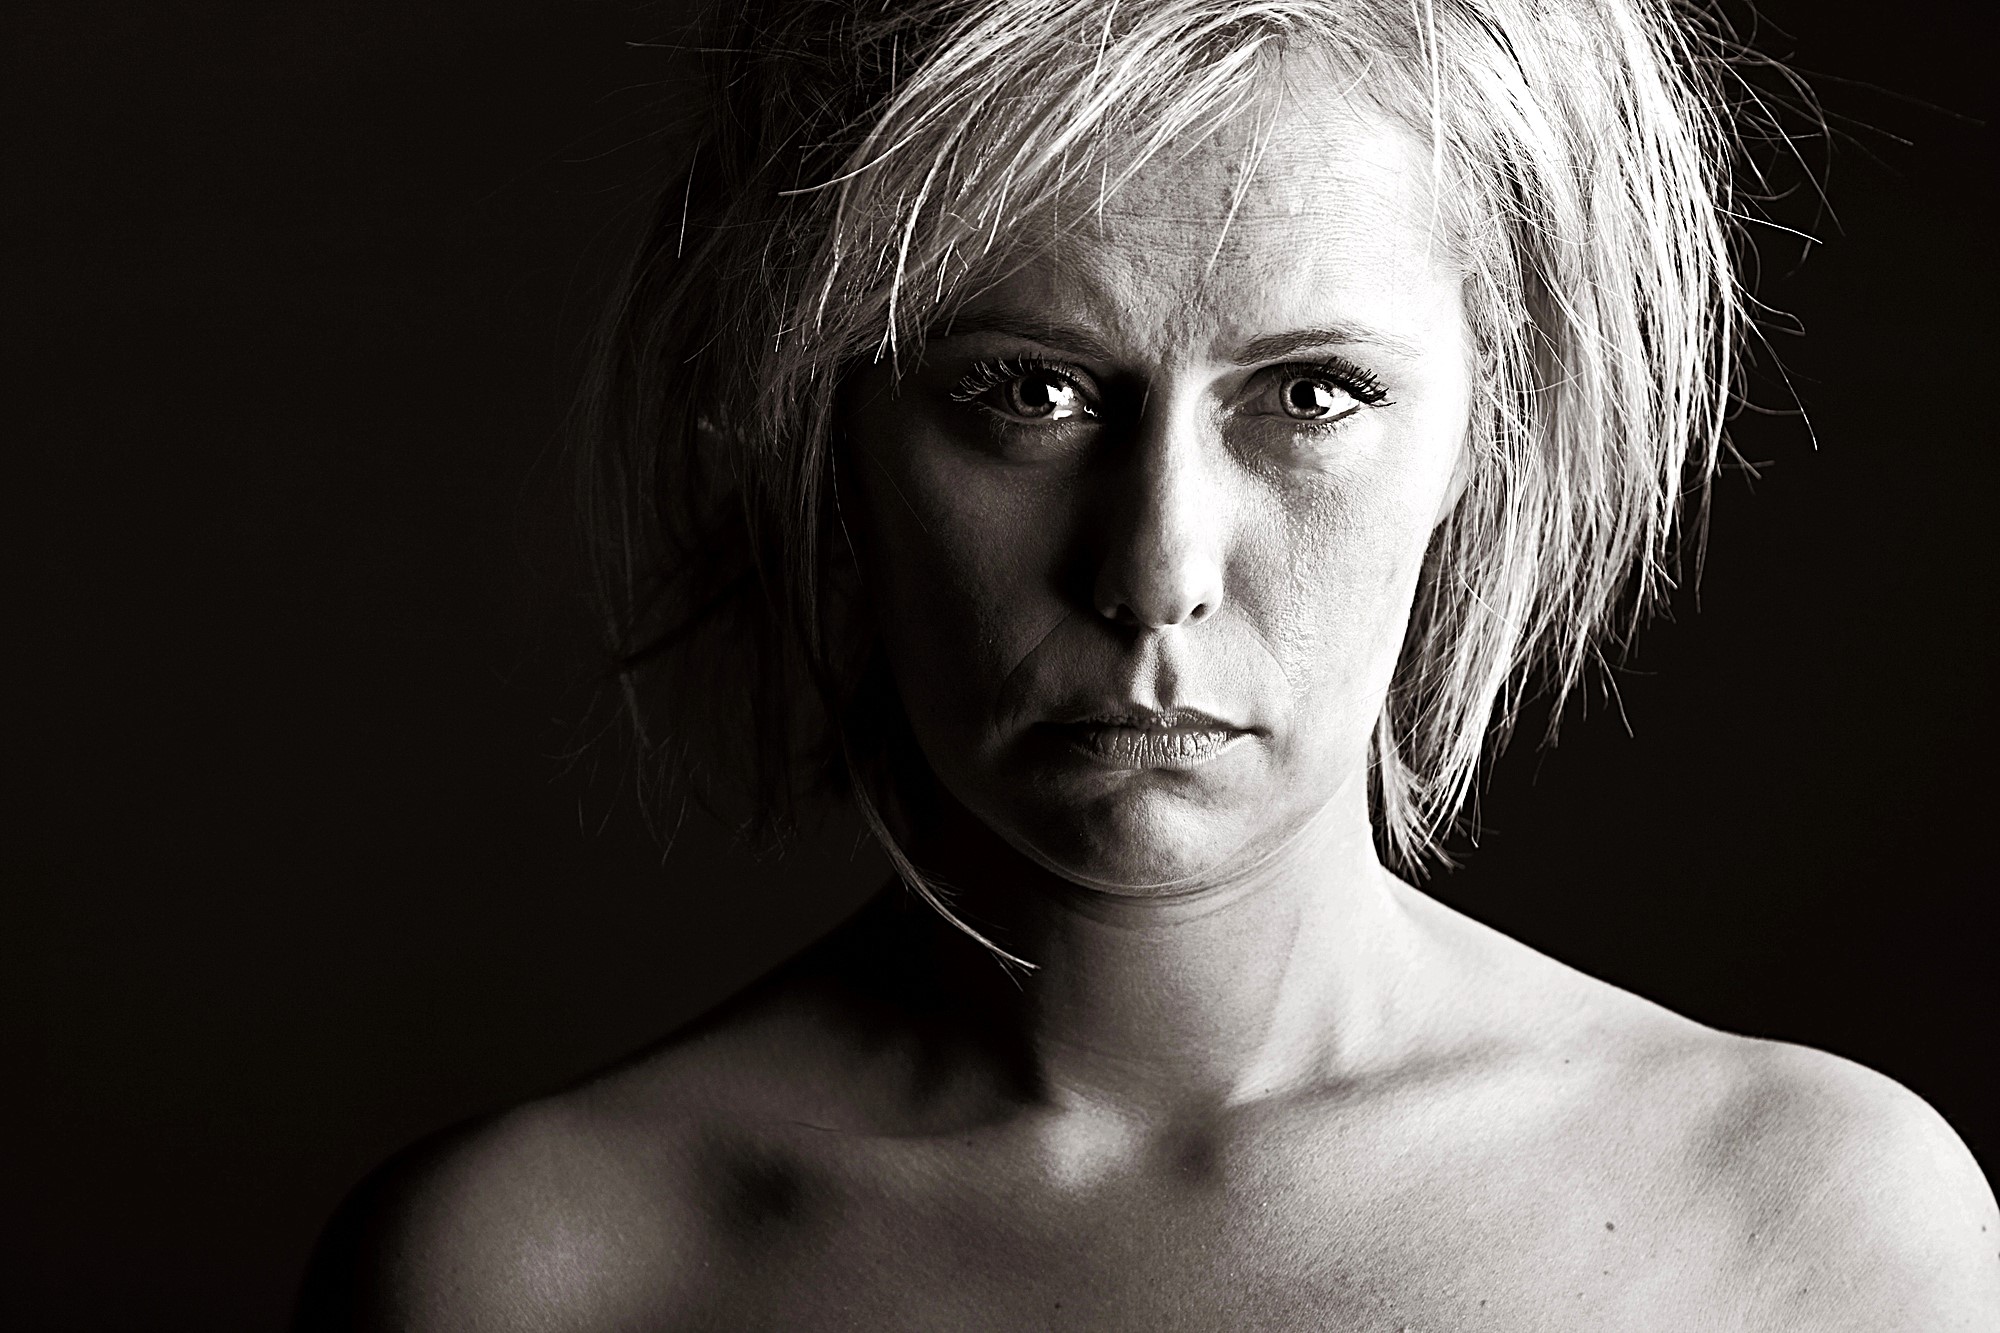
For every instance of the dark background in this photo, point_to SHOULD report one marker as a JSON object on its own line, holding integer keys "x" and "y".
{"x": 298, "y": 866}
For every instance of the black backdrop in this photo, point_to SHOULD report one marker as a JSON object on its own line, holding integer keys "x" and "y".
{"x": 296, "y": 868}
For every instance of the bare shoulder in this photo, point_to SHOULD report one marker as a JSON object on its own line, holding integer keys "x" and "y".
{"x": 500, "y": 1226}
{"x": 1810, "y": 1192}
{"x": 626, "y": 1201}
{"x": 1860, "y": 1207}
{"x": 1804, "y": 1191}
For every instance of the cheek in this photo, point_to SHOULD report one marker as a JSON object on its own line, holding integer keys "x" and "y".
{"x": 1338, "y": 568}
{"x": 958, "y": 560}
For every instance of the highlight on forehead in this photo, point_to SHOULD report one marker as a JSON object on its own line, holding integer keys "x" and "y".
{"x": 1027, "y": 118}
{"x": 1307, "y": 164}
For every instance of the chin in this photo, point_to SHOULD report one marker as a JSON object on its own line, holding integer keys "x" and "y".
{"x": 1148, "y": 844}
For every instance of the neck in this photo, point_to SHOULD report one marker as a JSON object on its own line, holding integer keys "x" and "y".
{"x": 1281, "y": 976}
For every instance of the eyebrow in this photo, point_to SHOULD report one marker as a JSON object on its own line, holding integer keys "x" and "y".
{"x": 1278, "y": 346}
{"x": 1258, "y": 351}
{"x": 1067, "y": 337}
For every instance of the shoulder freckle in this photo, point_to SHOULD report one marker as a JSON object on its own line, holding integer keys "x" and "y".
{"x": 1851, "y": 1198}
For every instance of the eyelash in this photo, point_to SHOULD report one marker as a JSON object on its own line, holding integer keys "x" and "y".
{"x": 985, "y": 376}
{"x": 1362, "y": 385}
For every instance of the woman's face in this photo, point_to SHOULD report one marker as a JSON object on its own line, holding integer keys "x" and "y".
{"x": 1143, "y": 528}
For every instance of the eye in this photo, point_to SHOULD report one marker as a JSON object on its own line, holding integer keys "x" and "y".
{"x": 1319, "y": 394}
{"x": 1026, "y": 391}
{"x": 1040, "y": 395}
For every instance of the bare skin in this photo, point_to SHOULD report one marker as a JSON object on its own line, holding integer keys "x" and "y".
{"x": 861, "y": 1143}
{"x": 1255, "y": 1081}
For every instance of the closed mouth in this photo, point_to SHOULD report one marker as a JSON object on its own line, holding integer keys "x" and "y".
{"x": 1148, "y": 738}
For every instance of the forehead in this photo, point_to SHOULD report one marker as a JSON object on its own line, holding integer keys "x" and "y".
{"x": 1310, "y": 209}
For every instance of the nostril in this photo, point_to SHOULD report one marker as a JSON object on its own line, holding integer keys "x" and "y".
{"x": 1124, "y": 614}
{"x": 1158, "y": 594}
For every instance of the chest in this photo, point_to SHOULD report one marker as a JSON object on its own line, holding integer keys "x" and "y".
{"x": 1293, "y": 1236}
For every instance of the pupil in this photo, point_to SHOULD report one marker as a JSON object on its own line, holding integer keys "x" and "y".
{"x": 1038, "y": 396}
{"x": 1309, "y": 398}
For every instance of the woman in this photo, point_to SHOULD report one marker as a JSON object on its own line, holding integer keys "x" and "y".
{"x": 1137, "y": 452}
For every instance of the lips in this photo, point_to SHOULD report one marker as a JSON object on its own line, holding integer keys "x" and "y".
{"x": 1138, "y": 738}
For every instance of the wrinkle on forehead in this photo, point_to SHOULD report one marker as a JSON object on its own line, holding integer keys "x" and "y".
{"x": 1309, "y": 152}
{"x": 1312, "y": 199}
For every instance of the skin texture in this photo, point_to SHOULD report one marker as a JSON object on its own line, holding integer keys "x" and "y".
{"x": 1255, "y": 1081}
{"x": 1192, "y": 545}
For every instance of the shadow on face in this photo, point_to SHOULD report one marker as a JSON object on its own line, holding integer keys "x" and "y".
{"x": 1142, "y": 527}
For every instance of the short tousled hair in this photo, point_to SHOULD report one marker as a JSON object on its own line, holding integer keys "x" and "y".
{"x": 865, "y": 163}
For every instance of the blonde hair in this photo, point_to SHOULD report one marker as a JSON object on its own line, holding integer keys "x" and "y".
{"x": 867, "y": 162}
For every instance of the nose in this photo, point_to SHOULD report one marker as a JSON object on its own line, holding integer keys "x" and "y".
{"x": 1162, "y": 561}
